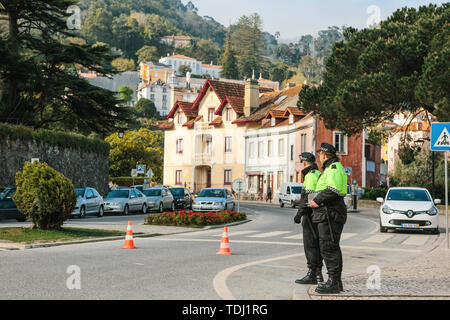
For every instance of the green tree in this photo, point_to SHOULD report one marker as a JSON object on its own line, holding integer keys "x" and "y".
{"x": 377, "y": 72}
{"x": 147, "y": 53}
{"x": 248, "y": 41}
{"x": 145, "y": 108}
{"x": 136, "y": 147}
{"x": 123, "y": 64}
{"x": 41, "y": 85}
{"x": 183, "y": 69}
{"x": 126, "y": 94}
{"x": 229, "y": 61}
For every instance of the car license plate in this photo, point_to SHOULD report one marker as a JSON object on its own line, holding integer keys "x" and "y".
{"x": 410, "y": 225}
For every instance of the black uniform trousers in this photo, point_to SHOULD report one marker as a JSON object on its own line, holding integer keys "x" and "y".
{"x": 311, "y": 244}
{"x": 330, "y": 246}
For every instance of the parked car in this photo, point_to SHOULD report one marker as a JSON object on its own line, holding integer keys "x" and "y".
{"x": 160, "y": 199}
{"x": 125, "y": 201}
{"x": 409, "y": 209}
{"x": 182, "y": 197}
{"x": 8, "y": 209}
{"x": 290, "y": 193}
{"x": 89, "y": 201}
{"x": 214, "y": 199}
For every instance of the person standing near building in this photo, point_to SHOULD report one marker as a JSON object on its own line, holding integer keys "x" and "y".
{"x": 269, "y": 194}
{"x": 310, "y": 175}
{"x": 354, "y": 190}
{"x": 330, "y": 213}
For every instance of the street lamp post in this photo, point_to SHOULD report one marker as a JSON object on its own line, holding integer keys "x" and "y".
{"x": 418, "y": 144}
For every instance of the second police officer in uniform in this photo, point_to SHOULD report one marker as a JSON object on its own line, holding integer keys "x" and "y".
{"x": 330, "y": 212}
{"x": 310, "y": 175}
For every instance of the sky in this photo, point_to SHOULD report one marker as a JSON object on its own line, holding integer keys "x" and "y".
{"x": 294, "y": 18}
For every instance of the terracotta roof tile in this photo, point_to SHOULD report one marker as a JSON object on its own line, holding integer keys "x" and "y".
{"x": 165, "y": 124}
{"x": 216, "y": 122}
{"x": 295, "y": 111}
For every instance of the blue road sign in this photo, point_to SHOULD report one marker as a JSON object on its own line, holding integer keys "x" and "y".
{"x": 440, "y": 136}
{"x": 140, "y": 168}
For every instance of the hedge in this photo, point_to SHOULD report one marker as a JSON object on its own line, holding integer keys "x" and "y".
{"x": 54, "y": 138}
{"x": 194, "y": 219}
{"x": 374, "y": 193}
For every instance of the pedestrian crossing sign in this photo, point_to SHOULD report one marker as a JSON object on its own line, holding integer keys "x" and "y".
{"x": 440, "y": 136}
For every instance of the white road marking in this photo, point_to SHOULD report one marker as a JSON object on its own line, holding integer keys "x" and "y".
{"x": 279, "y": 243}
{"x": 416, "y": 240}
{"x": 235, "y": 233}
{"x": 378, "y": 238}
{"x": 269, "y": 234}
{"x": 220, "y": 280}
{"x": 297, "y": 236}
{"x": 346, "y": 236}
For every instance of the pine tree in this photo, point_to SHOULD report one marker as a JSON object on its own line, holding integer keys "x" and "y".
{"x": 41, "y": 86}
{"x": 229, "y": 61}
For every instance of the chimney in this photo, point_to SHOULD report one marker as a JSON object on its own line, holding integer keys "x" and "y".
{"x": 251, "y": 96}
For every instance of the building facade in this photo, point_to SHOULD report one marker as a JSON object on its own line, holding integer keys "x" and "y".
{"x": 197, "y": 67}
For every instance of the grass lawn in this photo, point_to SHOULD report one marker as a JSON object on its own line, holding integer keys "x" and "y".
{"x": 28, "y": 235}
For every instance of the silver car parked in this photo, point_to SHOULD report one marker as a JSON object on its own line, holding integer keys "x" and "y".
{"x": 89, "y": 201}
{"x": 159, "y": 198}
{"x": 125, "y": 201}
{"x": 214, "y": 199}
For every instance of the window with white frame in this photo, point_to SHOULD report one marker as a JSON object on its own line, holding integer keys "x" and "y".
{"x": 251, "y": 150}
{"x": 281, "y": 147}
{"x": 178, "y": 177}
{"x": 227, "y": 177}
{"x": 303, "y": 142}
{"x": 280, "y": 179}
{"x": 228, "y": 114}
{"x": 340, "y": 141}
{"x": 292, "y": 152}
{"x": 179, "y": 145}
{"x": 180, "y": 117}
{"x": 210, "y": 114}
{"x": 269, "y": 148}
{"x": 228, "y": 144}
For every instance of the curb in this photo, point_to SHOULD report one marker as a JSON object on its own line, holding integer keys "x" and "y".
{"x": 19, "y": 246}
{"x": 354, "y": 296}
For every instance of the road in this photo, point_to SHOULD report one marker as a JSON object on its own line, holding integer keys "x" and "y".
{"x": 267, "y": 256}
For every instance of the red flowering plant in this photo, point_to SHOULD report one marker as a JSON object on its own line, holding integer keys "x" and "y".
{"x": 194, "y": 219}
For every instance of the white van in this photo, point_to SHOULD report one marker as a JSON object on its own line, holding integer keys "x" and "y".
{"x": 290, "y": 193}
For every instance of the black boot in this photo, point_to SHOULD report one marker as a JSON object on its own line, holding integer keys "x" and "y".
{"x": 319, "y": 275}
{"x": 310, "y": 278}
{"x": 331, "y": 286}
{"x": 341, "y": 287}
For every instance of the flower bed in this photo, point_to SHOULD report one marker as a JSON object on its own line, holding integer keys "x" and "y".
{"x": 194, "y": 219}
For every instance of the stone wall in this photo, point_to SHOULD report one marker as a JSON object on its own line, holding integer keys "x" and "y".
{"x": 84, "y": 169}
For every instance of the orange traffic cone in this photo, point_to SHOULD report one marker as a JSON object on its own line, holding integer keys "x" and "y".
{"x": 129, "y": 244}
{"x": 224, "y": 245}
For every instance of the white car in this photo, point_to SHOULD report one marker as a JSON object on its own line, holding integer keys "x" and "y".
{"x": 409, "y": 209}
{"x": 290, "y": 193}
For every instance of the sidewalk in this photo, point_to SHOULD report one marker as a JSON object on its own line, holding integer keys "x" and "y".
{"x": 426, "y": 277}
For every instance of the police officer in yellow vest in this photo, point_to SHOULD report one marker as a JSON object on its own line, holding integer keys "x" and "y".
{"x": 310, "y": 175}
{"x": 330, "y": 213}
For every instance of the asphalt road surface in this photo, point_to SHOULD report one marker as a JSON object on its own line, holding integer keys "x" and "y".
{"x": 267, "y": 257}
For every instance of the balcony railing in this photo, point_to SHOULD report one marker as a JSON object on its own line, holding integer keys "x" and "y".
{"x": 202, "y": 126}
{"x": 203, "y": 158}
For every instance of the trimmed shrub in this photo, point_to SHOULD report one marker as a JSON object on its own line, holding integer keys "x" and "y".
{"x": 374, "y": 193}
{"x": 44, "y": 195}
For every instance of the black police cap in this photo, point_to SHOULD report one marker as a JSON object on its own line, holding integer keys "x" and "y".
{"x": 326, "y": 147}
{"x": 307, "y": 156}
